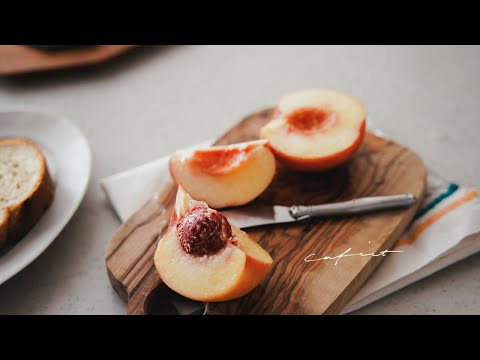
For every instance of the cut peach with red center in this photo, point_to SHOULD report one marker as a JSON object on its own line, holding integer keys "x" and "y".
{"x": 224, "y": 176}
{"x": 202, "y": 257}
{"x": 316, "y": 130}
{"x": 220, "y": 160}
{"x": 310, "y": 120}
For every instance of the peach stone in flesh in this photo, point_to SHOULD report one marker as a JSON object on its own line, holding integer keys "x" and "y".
{"x": 202, "y": 257}
{"x": 203, "y": 231}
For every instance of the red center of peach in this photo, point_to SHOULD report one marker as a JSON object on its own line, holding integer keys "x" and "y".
{"x": 308, "y": 120}
{"x": 219, "y": 161}
{"x": 203, "y": 231}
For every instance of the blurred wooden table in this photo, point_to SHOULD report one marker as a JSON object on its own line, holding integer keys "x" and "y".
{"x": 19, "y": 59}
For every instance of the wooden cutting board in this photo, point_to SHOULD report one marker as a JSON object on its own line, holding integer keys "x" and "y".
{"x": 20, "y": 59}
{"x": 294, "y": 286}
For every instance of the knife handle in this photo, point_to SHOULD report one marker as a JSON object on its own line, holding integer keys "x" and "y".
{"x": 355, "y": 206}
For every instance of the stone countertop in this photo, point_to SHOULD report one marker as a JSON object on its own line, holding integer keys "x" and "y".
{"x": 157, "y": 99}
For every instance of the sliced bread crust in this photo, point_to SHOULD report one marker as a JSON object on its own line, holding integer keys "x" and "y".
{"x": 23, "y": 213}
{"x": 3, "y": 227}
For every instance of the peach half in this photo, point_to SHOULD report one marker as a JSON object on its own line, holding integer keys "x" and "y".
{"x": 204, "y": 258}
{"x": 316, "y": 130}
{"x": 224, "y": 176}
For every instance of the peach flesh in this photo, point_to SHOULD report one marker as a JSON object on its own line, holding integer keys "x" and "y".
{"x": 219, "y": 161}
{"x": 315, "y": 130}
{"x": 225, "y": 176}
{"x": 231, "y": 272}
{"x": 310, "y": 120}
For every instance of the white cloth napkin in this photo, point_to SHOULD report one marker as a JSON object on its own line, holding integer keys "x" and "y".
{"x": 446, "y": 229}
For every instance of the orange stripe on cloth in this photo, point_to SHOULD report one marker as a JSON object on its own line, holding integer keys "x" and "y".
{"x": 435, "y": 217}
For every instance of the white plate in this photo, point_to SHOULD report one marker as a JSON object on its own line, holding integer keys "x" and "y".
{"x": 69, "y": 160}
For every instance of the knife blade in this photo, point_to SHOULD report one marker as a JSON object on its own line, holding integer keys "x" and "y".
{"x": 257, "y": 215}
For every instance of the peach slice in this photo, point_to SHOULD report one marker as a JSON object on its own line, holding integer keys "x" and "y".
{"x": 224, "y": 176}
{"x": 316, "y": 130}
{"x": 202, "y": 257}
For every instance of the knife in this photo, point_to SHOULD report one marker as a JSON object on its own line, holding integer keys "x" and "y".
{"x": 257, "y": 215}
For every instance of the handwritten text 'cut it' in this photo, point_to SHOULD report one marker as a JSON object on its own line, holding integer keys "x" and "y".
{"x": 346, "y": 253}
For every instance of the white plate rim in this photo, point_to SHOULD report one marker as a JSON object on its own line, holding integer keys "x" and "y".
{"x": 10, "y": 269}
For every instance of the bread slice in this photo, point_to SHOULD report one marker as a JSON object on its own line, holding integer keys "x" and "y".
{"x": 3, "y": 227}
{"x": 26, "y": 188}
